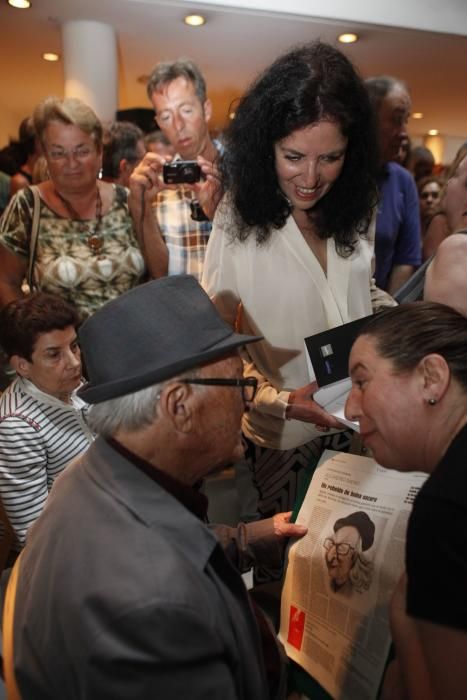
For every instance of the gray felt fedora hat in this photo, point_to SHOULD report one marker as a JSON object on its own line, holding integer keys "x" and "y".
{"x": 150, "y": 334}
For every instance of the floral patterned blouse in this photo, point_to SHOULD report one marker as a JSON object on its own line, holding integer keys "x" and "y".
{"x": 64, "y": 264}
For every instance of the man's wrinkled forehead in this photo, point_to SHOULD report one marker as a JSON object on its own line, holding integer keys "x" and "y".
{"x": 175, "y": 92}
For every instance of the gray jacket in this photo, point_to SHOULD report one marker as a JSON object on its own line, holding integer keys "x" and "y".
{"x": 125, "y": 594}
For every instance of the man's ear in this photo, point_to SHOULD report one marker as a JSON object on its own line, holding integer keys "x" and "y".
{"x": 435, "y": 374}
{"x": 20, "y": 365}
{"x": 176, "y": 405}
{"x": 207, "y": 107}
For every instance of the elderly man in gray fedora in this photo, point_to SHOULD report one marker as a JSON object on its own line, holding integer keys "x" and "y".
{"x": 122, "y": 590}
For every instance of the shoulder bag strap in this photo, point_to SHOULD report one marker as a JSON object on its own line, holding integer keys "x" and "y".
{"x": 7, "y": 635}
{"x": 34, "y": 234}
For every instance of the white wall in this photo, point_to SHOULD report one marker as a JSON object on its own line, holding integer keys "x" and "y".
{"x": 450, "y": 16}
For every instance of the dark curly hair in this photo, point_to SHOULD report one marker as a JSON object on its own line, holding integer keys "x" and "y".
{"x": 308, "y": 84}
{"x": 23, "y": 320}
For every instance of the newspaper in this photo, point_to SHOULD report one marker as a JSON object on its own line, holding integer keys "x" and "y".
{"x": 334, "y": 606}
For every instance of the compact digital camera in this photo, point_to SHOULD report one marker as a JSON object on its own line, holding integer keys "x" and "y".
{"x": 181, "y": 171}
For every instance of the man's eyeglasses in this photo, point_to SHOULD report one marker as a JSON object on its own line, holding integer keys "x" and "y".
{"x": 248, "y": 385}
{"x": 78, "y": 153}
{"x": 342, "y": 549}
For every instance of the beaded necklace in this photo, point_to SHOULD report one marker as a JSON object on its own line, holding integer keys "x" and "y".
{"x": 94, "y": 240}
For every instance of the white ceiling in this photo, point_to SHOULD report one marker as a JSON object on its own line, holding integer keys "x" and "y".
{"x": 230, "y": 49}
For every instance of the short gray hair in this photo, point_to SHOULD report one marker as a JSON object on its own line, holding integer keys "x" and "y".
{"x": 133, "y": 411}
{"x": 167, "y": 71}
{"x": 69, "y": 111}
{"x": 379, "y": 86}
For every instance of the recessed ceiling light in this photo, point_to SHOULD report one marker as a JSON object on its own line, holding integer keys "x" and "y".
{"x": 347, "y": 38}
{"x": 48, "y": 56}
{"x": 433, "y": 132}
{"x": 417, "y": 115}
{"x": 195, "y": 20}
{"x": 20, "y": 4}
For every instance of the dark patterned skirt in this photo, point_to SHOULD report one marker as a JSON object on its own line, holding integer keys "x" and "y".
{"x": 276, "y": 476}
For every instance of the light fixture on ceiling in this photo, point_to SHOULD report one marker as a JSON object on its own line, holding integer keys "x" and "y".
{"x": 20, "y": 4}
{"x": 433, "y": 132}
{"x": 348, "y": 38}
{"x": 49, "y": 56}
{"x": 417, "y": 115}
{"x": 195, "y": 20}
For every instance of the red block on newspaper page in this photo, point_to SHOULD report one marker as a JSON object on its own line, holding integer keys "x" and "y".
{"x": 296, "y": 627}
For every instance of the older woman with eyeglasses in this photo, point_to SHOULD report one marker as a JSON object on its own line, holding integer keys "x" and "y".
{"x": 86, "y": 250}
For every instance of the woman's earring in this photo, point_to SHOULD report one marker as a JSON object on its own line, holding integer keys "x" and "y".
{"x": 432, "y": 402}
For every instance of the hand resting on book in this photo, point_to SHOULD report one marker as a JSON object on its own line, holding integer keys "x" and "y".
{"x": 301, "y": 406}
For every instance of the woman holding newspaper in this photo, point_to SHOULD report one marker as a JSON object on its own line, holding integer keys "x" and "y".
{"x": 291, "y": 247}
{"x": 409, "y": 394}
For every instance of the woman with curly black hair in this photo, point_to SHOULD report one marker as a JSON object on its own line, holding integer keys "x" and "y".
{"x": 291, "y": 248}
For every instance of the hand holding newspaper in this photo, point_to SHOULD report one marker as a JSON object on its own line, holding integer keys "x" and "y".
{"x": 340, "y": 576}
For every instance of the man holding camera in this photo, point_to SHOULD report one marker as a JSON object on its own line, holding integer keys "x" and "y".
{"x": 180, "y": 203}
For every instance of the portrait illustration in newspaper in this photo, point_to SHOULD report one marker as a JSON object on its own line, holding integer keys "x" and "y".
{"x": 349, "y": 569}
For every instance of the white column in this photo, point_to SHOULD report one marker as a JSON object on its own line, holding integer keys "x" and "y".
{"x": 90, "y": 65}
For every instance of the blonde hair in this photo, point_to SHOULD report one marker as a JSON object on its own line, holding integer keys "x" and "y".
{"x": 71, "y": 110}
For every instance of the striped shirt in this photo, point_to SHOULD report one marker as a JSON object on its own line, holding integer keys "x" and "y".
{"x": 39, "y": 436}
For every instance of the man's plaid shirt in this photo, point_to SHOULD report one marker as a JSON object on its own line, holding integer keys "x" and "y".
{"x": 186, "y": 239}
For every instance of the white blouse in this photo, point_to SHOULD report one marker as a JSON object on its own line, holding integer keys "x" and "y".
{"x": 280, "y": 291}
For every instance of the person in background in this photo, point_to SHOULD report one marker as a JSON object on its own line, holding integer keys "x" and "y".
{"x": 398, "y": 241}
{"x": 156, "y": 142}
{"x": 403, "y": 155}
{"x": 147, "y": 600}
{"x": 409, "y": 393}
{"x": 445, "y": 279}
{"x": 124, "y": 148}
{"x": 28, "y": 150}
{"x": 86, "y": 250}
{"x": 42, "y": 421}
{"x": 179, "y": 214}
{"x": 429, "y": 192}
{"x": 453, "y": 206}
{"x": 30, "y": 146}
{"x": 422, "y": 162}
{"x": 290, "y": 254}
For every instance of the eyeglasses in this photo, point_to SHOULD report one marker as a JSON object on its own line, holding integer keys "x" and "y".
{"x": 342, "y": 549}
{"x": 426, "y": 195}
{"x": 78, "y": 153}
{"x": 248, "y": 385}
